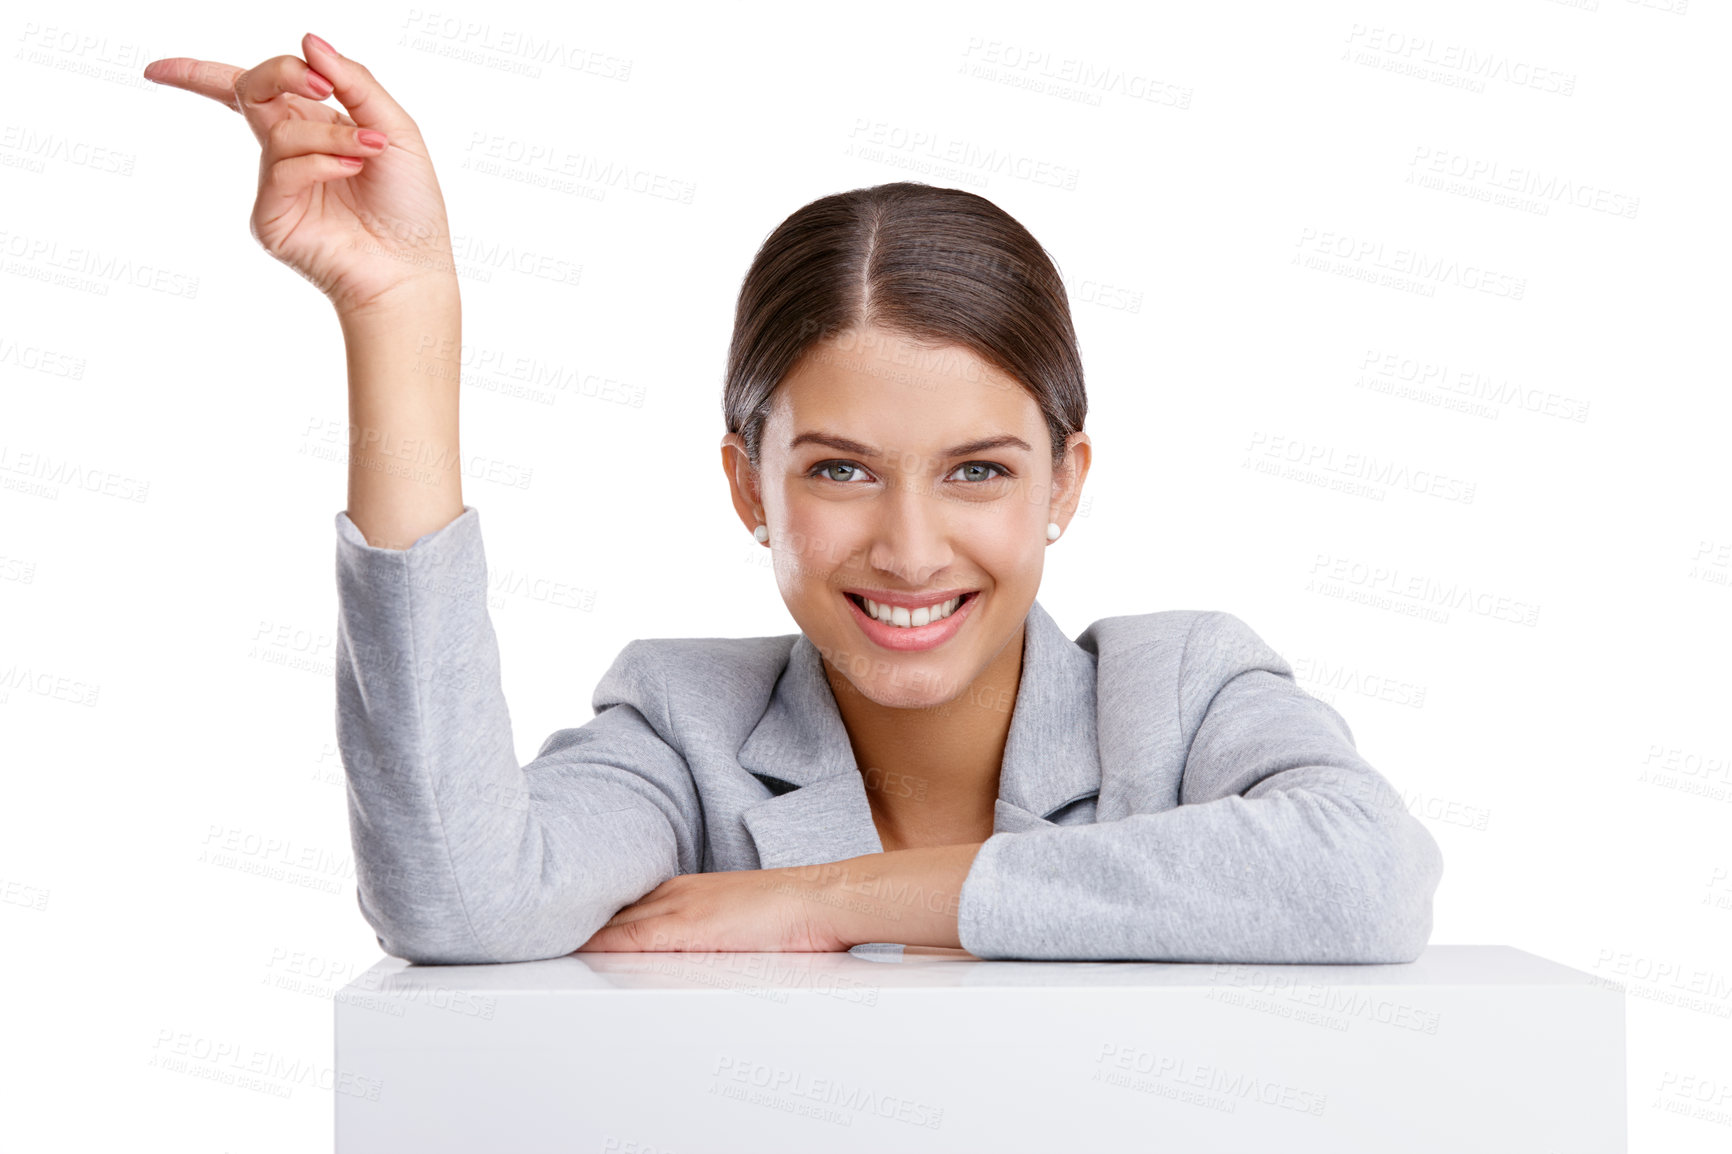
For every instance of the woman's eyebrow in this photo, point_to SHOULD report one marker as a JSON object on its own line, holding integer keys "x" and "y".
{"x": 848, "y": 445}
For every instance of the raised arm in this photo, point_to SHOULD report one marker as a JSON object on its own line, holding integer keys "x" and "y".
{"x": 1287, "y": 846}
{"x": 461, "y": 854}
{"x": 351, "y": 203}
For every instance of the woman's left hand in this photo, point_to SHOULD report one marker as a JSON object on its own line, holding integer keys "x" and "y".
{"x": 794, "y": 910}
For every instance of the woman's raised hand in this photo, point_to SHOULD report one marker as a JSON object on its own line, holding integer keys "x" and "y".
{"x": 351, "y": 204}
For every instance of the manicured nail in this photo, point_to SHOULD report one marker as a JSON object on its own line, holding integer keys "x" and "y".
{"x": 320, "y": 85}
{"x": 322, "y": 43}
{"x": 356, "y": 161}
{"x": 370, "y": 138}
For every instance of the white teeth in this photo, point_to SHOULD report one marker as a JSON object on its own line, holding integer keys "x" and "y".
{"x": 899, "y": 616}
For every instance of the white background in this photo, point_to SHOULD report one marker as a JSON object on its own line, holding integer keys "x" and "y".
{"x": 1229, "y": 191}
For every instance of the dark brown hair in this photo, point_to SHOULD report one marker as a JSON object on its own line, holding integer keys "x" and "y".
{"x": 939, "y": 266}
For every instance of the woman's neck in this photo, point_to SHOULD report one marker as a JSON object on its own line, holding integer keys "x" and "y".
{"x": 931, "y": 775}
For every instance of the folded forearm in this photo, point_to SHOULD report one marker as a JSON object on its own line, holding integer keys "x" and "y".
{"x": 1290, "y": 876}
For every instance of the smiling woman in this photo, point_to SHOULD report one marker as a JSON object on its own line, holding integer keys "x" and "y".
{"x": 929, "y": 759}
{"x": 925, "y": 335}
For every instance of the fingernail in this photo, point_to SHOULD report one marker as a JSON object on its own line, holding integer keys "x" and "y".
{"x": 322, "y": 43}
{"x": 357, "y": 161}
{"x": 319, "y": 84}
{"x": 371, "y": 138}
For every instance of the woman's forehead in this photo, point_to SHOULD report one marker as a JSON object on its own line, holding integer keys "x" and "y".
{"x": 878, "y": 365}
{"x": 947, "y": 399}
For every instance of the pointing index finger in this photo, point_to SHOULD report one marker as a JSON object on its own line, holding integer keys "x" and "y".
{"x": 205, "y": 77}
{"x": 240, "y": 88}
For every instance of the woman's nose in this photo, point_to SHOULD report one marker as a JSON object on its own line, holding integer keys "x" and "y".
{"x": 911, "y": 535}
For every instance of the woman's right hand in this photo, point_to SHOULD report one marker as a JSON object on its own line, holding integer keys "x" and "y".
{"x": 360, "y": 219}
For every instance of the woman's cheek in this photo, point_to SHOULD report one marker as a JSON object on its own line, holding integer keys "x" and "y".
{"x": 807, "y": 554}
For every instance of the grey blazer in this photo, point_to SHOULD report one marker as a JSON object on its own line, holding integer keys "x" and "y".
{"x": 1167, "y": 793}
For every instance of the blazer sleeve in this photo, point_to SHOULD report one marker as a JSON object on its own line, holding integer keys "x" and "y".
{"x": 461, "y": 855}
{"x": 1285, "y": 847}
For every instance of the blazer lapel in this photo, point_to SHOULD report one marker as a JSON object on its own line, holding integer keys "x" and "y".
{"x": 1051, "y": 755}
{"x": 801, "y": 746}
{"x": 801, "y": 742}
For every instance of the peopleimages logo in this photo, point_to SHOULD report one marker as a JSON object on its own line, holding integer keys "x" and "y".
{"x": 1529, "y": 188}
{"x": 1364, "y": 473}
{"x": 1368, "y": 259}
{"x": 1415, "y": 594}
{"x": 1459, "y": 65}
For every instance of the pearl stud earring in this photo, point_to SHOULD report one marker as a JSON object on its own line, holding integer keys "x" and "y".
{"x": 1052, "y": 530}
{"x": 762, "y": 533}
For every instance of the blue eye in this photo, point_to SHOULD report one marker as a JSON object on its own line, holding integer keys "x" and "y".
{"x": 825, "y": 466}
{"x": 998, "y": 470}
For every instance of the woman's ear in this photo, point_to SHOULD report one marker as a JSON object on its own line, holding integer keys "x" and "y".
{"x": 1067, "y": 479}
{"x": 742, "y": 481}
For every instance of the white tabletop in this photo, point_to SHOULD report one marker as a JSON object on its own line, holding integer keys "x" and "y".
{"x": 1487, "y": 1048}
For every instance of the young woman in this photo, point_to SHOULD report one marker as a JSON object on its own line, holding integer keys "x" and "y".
{"x": 930, "y": 760}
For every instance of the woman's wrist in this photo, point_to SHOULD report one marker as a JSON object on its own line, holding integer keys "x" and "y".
{"x": 910, "y": 896}
{"x": 432, "y": 296}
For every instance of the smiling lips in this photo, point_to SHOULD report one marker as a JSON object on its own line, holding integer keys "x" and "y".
{"x": 907, "y": 612}
{"x": 901, "y": 621}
